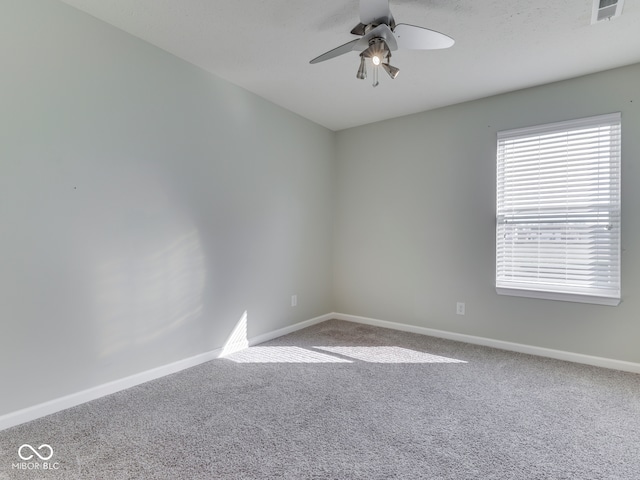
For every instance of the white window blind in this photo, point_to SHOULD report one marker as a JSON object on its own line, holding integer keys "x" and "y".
{"x": 558, "y": 211}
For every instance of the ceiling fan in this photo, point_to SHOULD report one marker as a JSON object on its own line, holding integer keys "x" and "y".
{"x": 380, "y": 35}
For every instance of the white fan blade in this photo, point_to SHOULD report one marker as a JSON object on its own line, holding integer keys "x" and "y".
{"x": 336, "y": 52}
{"x": 375, "y": 11}
{"x": 411, "y": 37}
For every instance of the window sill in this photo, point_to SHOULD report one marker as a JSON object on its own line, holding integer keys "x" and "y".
{"x": 564, "y": 297}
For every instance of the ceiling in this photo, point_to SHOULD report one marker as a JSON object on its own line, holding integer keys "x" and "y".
{"x": 265, "y": 47}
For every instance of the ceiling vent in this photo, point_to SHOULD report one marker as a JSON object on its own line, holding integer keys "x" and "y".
{"x": 606, "y": 10}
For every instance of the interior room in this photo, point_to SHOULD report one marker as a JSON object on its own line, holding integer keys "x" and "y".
{"x": 179, "y": 184}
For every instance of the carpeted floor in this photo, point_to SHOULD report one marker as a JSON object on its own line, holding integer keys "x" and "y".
{"x": 346, "y": 401}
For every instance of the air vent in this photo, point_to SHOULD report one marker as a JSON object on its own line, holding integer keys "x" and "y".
{"x": 606, "y": 10}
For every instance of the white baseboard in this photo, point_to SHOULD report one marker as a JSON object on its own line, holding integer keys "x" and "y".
{"x": 502, "y": 345}
{"x": 74, "y": 399}
{"x": 37, "y": 411}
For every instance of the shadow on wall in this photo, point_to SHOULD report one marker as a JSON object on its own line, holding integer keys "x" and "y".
{"x": 142, "y": 297}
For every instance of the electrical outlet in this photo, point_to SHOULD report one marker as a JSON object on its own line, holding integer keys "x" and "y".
{"x": 460, "y": 308}
{"x": 294, "y": 300}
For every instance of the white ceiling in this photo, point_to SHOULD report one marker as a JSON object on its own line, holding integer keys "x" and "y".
{"x": 265, "y": 47}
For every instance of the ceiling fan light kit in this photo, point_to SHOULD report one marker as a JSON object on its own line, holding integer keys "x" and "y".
{"x": 378, "y": 51}
{"x": 380, "y": 35}
{"x": 362, "y": 71}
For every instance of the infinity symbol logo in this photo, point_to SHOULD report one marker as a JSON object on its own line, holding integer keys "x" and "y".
{"x": 36, "y": 452}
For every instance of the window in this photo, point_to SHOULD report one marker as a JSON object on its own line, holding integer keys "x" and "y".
{"x": 558, "y": 211}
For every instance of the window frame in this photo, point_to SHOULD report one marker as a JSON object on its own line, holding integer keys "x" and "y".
{"x": 530, "y": 289}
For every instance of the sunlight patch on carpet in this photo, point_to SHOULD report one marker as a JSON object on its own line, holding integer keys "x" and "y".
{"x": 283, "y": 355}
{"x": 388, "y": 354}
{"x": 336, "y": 354}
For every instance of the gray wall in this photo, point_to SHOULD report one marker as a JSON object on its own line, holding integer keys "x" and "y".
{"x": 415, "y": 223}
{"x": 144, "y": 206}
